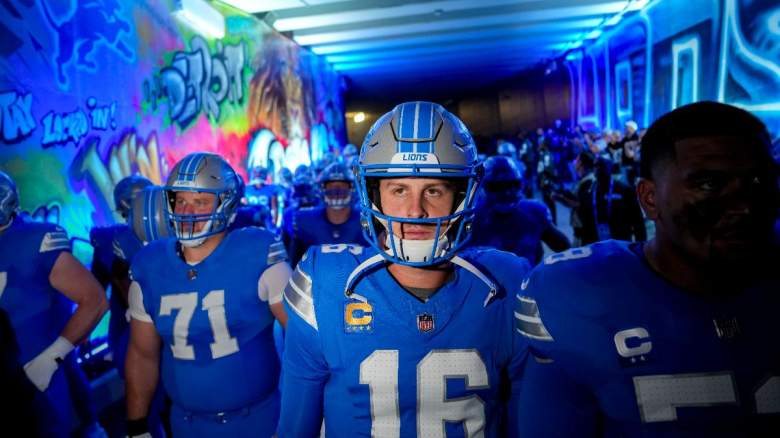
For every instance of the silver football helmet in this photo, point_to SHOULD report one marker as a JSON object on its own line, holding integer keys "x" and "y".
{"x": 148, "y": 216}
{"x": 203, "y": 173}
{"x": 125, "y": 190}
{"x": 421, "y": 140}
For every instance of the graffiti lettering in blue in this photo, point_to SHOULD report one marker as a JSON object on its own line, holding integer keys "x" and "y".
{"x": 17, "y": 120}
{"x": 199, "y": 81}
{"x": 61, "y": 128}
{"x": 103, "y": 117}
{"x": 88, "y": 26}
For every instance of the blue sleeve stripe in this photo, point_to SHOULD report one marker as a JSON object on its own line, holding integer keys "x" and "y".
{"x": 301, "y": 303}
{"x": 528, "y": 321}
{"x": 53, "y": 241}
{"x": 301, "y": 281}
{"x": 276, "y": 257}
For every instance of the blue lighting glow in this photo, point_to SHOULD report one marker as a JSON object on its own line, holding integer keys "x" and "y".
{"x": 738, "y": 39}
{"x": 623, "y": 104}
{"x": 685, "y": 71}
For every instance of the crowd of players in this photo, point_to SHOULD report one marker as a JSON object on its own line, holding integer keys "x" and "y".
{"x": 402, "y": 290}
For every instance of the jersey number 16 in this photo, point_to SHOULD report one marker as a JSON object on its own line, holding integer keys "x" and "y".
{"x": 380, "y": 372}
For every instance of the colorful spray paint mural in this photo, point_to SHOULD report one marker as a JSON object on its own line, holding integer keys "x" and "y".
{"x": 671, "y": 53}
{"x": 94, "y": 91}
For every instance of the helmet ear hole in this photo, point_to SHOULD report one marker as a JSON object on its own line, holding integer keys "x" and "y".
{"x": 372, "y": 190}
{"x": 461, "y": 192}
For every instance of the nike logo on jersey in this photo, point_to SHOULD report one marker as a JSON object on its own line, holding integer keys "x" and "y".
{"x": 633, "y": 345}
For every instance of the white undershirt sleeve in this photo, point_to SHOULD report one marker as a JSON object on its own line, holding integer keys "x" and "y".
{"x": 136, "y": 303}
{"x": 273, "y": 281}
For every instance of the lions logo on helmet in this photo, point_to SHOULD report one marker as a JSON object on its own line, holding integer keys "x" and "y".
{"x": 203, "y": 173}
{"x": 422, "y": 140}
{"x": 9, "y": 200}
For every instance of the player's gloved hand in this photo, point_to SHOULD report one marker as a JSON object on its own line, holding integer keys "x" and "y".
{"x": 42, "y": 367}
{"x": 138, "y": 428}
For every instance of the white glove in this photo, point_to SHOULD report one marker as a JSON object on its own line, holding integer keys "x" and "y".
{"x": 42, "y": 367}
{"x": 145, "y": 435}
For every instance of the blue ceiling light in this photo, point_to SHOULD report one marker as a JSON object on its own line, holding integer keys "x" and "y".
{"x": 313, "y": 39}
{"x": 255, "y": 6}
{"x": 201, "y": 17}
{"x": 536, "y": 29}
{"x": 595, "y": 33}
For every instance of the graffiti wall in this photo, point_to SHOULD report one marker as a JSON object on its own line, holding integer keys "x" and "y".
{"x": 91, "y": 92}
{"x": 672, "y": 53}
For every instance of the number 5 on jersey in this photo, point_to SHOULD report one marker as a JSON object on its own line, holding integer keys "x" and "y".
{"x": 214, "y": 305}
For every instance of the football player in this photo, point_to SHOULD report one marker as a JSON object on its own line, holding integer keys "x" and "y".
{"x": 334, "y": 222}
{"x": 202, "y": 307}
{"x": 109, "y": 264}
{"x": 349, "y": 155}
{"x": 410, "y": 337}
{"x": 506, "y": 221}
{"x": 146, "y": 222}
{"x": 261, "y": 192}
{"x": 37, "y": 273}
{"x": 674, "y": 337}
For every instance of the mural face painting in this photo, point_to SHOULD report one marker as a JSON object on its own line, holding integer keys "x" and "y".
{"x": 96, "y": 91}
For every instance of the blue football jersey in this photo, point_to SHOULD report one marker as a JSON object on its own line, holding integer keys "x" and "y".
{"x": 262, "y": 195}
{"x": 310, "y": 227}
{"x": 256, "y": 215}
{"x": 126, "y": 244}
{"x": 518, "y": 231}
{"x": 217, "y": 333}
{"x": 381, "y": 362}
{"x": 102, "y": 240}
{"x": 37, "y": 310}
{"x": 619, "y": 351}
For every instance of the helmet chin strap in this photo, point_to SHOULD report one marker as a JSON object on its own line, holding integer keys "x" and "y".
{"x": 196, "y": 241}
{"x": 417, "y": 250}
{"x": 193, "y": 243}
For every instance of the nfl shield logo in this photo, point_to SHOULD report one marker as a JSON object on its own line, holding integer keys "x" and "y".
{"x": 425, "y": 322}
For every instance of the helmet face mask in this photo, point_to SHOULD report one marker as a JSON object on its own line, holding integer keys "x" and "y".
{"x": 9, "y": 200}
{"x": 336, "y": 196}
{"x": 202, "y": 173}
{"x": 418, "y": 140}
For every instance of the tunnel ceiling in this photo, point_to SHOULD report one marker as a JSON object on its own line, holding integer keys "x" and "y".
{"x": 436, "y": 49}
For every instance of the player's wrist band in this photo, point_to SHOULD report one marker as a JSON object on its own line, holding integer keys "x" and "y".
{"x": 137, "y": 427}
